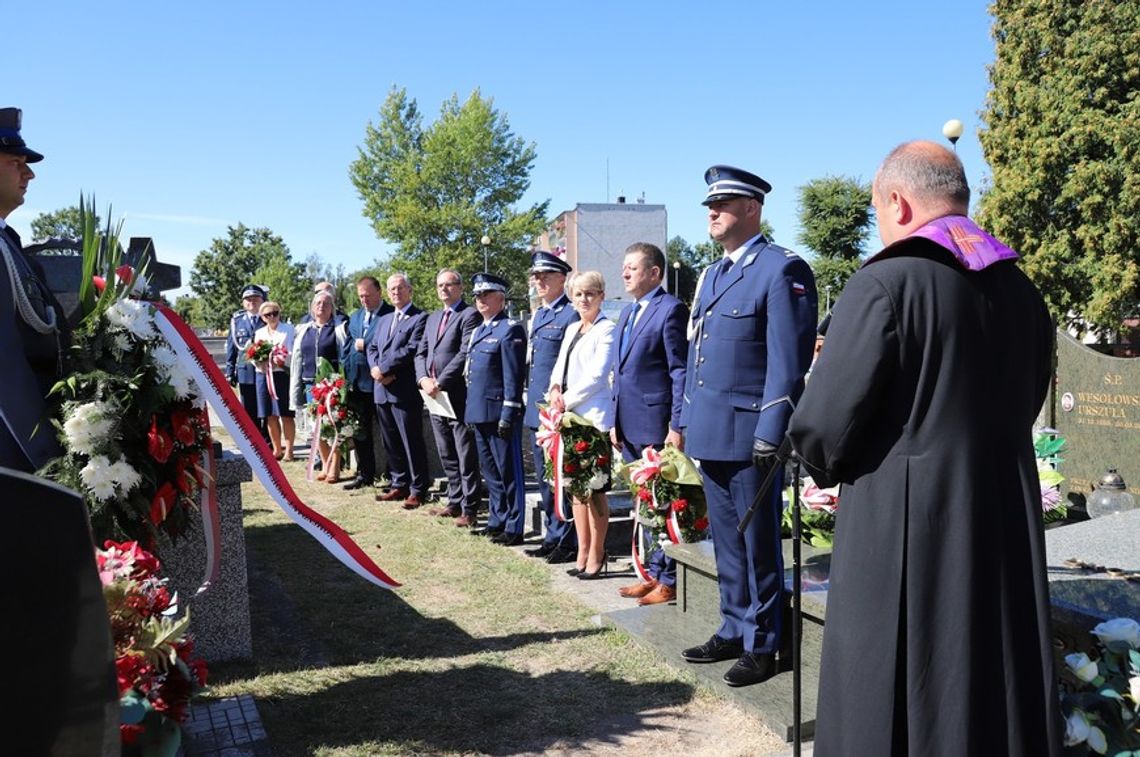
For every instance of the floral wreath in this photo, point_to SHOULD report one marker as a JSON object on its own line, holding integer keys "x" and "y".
{"x": 577, "y": 454}
{"x": 334, "y": 420}
{"x": 667, "y": 489}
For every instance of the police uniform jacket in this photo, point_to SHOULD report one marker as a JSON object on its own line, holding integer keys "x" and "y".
{"x": 243, "y": 327}
{"x": 354, "y": 362}
{"x": 753, "y": 333}
{"x": 546, "y": 331}
{"x": 496, "y": 369}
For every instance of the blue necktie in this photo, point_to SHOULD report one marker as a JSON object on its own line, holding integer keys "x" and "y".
{"x": 724, "y": 267}
{"x": 627, "y": 333}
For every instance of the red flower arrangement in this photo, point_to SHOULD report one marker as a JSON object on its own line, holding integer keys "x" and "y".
{"x": 179, "y": 436}
{"x": 329, "y": 407}
{"x": 259, "y": 351}
{"x": 585, "y": 451}
{"x": 670, "y": 499}
{"x": 156, "y": 672}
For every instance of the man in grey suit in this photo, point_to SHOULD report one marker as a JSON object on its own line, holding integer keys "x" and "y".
{"x": 439, "y": 368}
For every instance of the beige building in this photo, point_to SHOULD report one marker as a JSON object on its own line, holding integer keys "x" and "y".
{"x": 593, "y": 237}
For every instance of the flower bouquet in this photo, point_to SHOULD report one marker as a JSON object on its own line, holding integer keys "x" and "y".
{"x": 335, "y": 420}
{"x": 132, "y": 426}
{"x": 156, "y": 673}
{"x": 1047, "y": 446}
{"x": 578, "y": 455}
{"x": 817, "y": 513}
{"x": 259, "y": 351}
{"x": 1100, "y": 697}
{"x": 667, "y": 489}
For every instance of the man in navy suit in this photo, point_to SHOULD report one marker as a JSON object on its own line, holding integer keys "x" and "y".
{"x": 399, "y": 406}
{"x": 496, "y": 371}
{"x": 243, "y": 374}
{"x": 439, "y": 368}
{"x": 554, "y": 314}
{"x": 361, "y": 328}
{"x": 33, "y": 336}
{"x": 648, "y": 385}
{"x": 753, "y": 327}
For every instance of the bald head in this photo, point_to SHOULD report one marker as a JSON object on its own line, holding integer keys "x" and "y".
{"x": 917, "y": 183}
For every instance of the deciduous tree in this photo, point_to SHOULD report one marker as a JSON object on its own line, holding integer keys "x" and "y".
{"x": 835, "y": 217}
{"x": 220, "y": 273}
{"x": 1061, "y": 134}
{"x": 435, "y": 191}
{"x": 59, "y": 224}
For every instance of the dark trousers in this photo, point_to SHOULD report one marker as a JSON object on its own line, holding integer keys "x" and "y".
{"x": 249, "y": 402}
{"x": 402, "y": 428}
{"x": 501, "y": 461}
{"x": 366, "y": 436}
{"x": 460, "y": 459}
{"x": 750, "y": 566}
{"x": 660, "y": 568}
{"x": 558, "y": 532}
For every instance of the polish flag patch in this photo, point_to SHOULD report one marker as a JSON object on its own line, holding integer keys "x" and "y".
{"x": 798, "y": 289}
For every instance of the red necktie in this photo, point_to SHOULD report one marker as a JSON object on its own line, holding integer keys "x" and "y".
{"x": 443, "y": 322}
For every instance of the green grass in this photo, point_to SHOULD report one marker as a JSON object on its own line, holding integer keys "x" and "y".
{"x": 476, "y": 653}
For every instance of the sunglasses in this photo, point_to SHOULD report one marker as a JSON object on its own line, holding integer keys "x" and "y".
{"x": 273, "y": 313}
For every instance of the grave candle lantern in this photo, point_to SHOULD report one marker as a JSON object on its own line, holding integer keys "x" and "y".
{"x": 1111, "y": 496}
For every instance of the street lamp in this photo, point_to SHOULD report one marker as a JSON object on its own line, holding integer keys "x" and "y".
{"x": 486, "y": 242}
{"x": 952, "y": 130}
{"x": 676, "y": 277}
{"x": 827, "y": 291}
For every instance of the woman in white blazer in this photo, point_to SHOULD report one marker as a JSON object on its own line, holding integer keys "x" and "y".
{"x": 580, "y": 384}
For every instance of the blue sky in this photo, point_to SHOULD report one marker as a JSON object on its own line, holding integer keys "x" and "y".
{"x": 186, "y": 118}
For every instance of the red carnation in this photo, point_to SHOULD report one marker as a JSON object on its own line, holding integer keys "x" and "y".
{"x": 581, "y": 445}
{"x": 321, "y": 410}
{"x": 570, "y": 467}
{"x": 603, "y": 461}
{"x": 680, "y": 505}
{"x": 162, "y": 503}
{"x": 644, "y": 495}
{"x": 701, "y": 524}
{"x": 158, "y": 443}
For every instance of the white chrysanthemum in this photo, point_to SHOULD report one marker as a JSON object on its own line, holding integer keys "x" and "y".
{"x": 164, "y": 359}
{"x": 132, "y": 316}
{"x": 87, "y": 427}
{"x": 184, "y": 387}
{"x": 124, "y": 475}
{"x": 598, "y": 480}
{"x": 123, "y": 343}
{"x": 97, "y": 478}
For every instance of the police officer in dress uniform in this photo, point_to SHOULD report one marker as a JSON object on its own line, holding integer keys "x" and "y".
{"x": 548, "y": 273}
{"x": 242, "y": 373}
{"x": 33, "y": 335}
{"x": 496, "y": 370}
{"x": 753, "y": 327}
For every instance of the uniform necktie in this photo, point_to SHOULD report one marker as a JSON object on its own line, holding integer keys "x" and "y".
{"x": 627, "y": 333}
{"x": 721, "y": 272}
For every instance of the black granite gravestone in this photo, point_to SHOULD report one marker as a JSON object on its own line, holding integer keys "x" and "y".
{"x": 1098, "y": 412}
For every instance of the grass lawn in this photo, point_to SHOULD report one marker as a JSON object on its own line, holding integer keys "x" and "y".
{"x": 476, "y": 653}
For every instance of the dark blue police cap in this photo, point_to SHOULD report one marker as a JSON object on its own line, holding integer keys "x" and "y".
{"x": 10, "y": 140}
{"x": 728, "y": 183}
{"x": 253, "y": 290}
{"x": 488, "y": 282}
{"x": 541, "y": 260}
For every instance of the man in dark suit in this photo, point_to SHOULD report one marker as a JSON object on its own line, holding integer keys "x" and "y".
{"x": 242, "y": 374}
{"x": 548, "y": 274}
{"x": 399, "y": 407}
{"x": 496, "y": 370}
{"x": 648, "y": 385}
{"x": 361, "y": 328}
{"x": 753, "y": 327}
{"x": 439, "y": 368}
{"x": 33, "y": 335}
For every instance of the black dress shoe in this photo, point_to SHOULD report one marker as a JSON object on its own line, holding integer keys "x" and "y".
{"x": 561, "y": 555}
{"x": 752, "y": 667}
{"x": 491, "y": 532}
{"x": 542, "y": 550}
{"x": 356, "y": 483}
{"x": 508, "y": 539}
{"x": 714, "y": 650}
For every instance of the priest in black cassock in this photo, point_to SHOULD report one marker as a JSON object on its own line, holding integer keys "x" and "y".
{"x": 922, "y": 405}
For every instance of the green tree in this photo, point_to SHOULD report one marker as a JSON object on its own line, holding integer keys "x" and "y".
{"x": 1061, "y": 126}
{"x": 220, "y": 273}
{"x": 835, "y": 217}
{"x": 287, "y": 284}
{"x": 436, "y": 191}
{"x": 59, "y": 224}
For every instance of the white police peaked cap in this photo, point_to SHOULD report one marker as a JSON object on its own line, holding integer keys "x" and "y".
{"x": 488, "y": 282}
{"x": 727, "y": 183}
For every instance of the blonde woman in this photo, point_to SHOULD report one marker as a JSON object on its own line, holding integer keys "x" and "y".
{"x": 278, "y": 413}
{"x": 579, "y": 384}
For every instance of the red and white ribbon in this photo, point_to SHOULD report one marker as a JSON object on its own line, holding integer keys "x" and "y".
{"x": 237, "y": 422}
